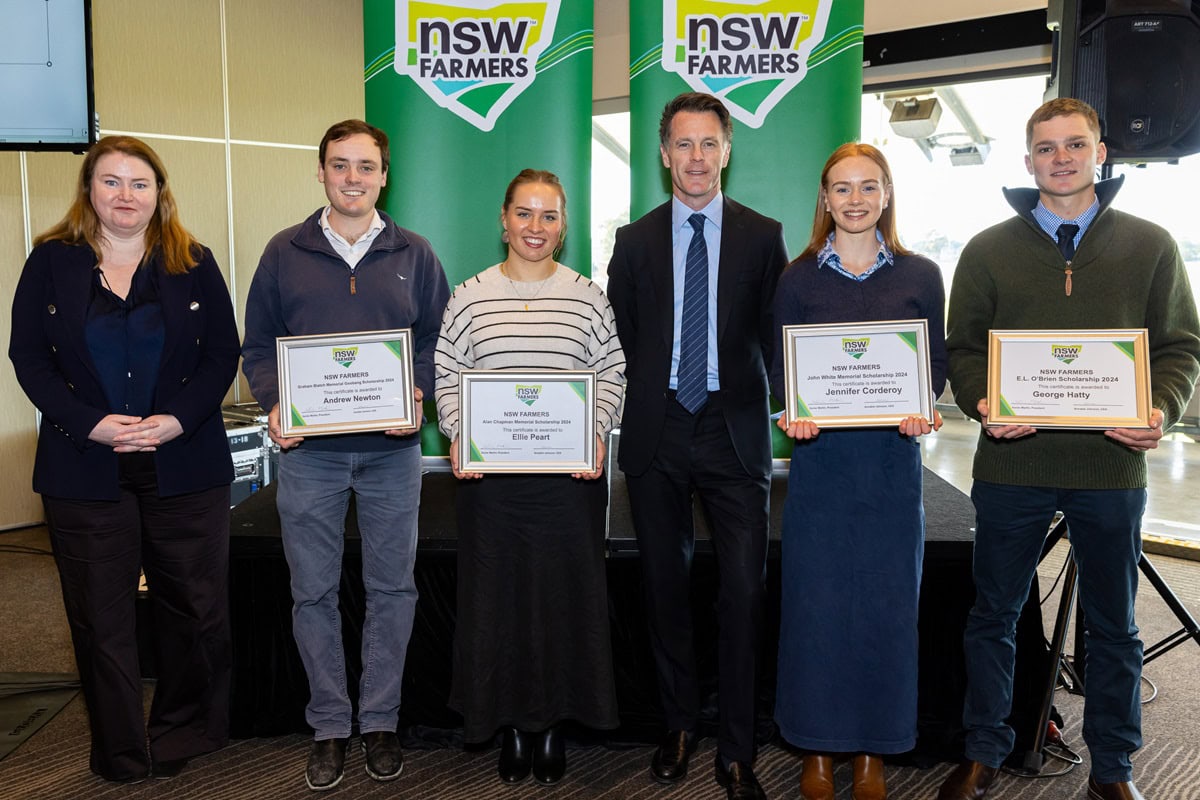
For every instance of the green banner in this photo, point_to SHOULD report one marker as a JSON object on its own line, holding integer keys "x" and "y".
{"x": 471, "y": 92}
{"x": 790, "y": 73}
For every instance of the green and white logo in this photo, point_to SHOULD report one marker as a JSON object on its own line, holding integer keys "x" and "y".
{"x": 1066, "y": 353}
{"x": 473, "y": 57}
{"x": 528, "y": 394}
{"x": 345, "y": 355}
{"x": 855, "y": 347}
{"x": 749, "y": 53}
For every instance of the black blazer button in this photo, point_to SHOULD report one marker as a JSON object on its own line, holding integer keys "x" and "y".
{"x": 193, "y": 306}
{"x": 52, "y": 308}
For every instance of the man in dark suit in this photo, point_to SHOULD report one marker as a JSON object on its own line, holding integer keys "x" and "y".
{"x": 691, "y": 283}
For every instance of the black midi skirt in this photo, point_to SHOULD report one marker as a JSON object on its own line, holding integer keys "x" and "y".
{"x": 532, "y": 645}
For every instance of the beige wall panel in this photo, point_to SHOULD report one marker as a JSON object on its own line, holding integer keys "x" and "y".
{"x": 273, "y": 189}
{"x": 18, "y": 421}
{"x": 52, "y": 178}
{"x": 294, "y": 67}
{"x": 158, "y": 66}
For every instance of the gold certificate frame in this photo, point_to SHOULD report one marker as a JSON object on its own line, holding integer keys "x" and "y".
{"x": 346, "y": 383}
{"x": 1087, "y": 379}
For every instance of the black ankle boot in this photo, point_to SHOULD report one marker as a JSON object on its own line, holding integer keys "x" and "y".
{"x": 549, "y": 756}
{"x": 515, "y": 755}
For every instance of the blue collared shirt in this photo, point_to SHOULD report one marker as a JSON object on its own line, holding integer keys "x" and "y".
{"x": 681, "y": 237}
{"x": 1049, "y": 221}
{"x": 828, "y": 257}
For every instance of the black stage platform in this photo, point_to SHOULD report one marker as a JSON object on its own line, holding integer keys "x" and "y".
{"x": 270, "y": 690}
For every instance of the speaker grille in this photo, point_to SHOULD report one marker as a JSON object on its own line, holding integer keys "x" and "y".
{"x": 1139, "y": 67}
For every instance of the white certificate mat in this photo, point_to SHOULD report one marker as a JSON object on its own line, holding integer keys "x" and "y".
{"x": 533, "y": 421}
{"x": 346, "y": 382}
{"x": 864, "y": 374}
{"x": 1098, "y": 379}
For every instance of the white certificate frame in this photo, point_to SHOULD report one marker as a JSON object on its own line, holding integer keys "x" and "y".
{"x": 490, "y": 408}
{"x": 813, "y": 364}
{"x": 1047, "y": 361}
{"x": 313, "y": 382}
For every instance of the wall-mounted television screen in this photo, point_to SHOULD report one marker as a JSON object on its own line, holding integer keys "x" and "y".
{"x": 46, "y": 100}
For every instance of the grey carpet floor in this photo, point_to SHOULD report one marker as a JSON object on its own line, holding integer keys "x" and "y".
{"x": 52, "y": 765}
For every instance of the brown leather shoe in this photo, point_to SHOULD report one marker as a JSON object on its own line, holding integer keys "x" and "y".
{"x": 968, "y": 781}
{"x": 816, "y": 777}
{"x": 868, "y": 778}
{"x": 1121, "y": 790}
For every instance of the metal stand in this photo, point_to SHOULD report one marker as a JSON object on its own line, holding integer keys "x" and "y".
{"x": 1190, "y": 628}
{"x": 1034, "y": 758}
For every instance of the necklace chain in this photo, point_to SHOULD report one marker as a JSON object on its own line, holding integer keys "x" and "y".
{"x": 541, "y": 284}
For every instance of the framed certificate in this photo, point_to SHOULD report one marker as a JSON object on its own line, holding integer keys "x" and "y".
{"x": 865, "y": 374}
{"x": 1069, "y": 378}
{"x": 532, "y": 421}
{"x": 346, "y": 383}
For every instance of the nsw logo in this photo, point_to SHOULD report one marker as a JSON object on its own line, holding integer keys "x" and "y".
{"x": 473, "y": 57}
{"x": 856, "y": 347}
{"x": 345, "y": 355}
{"x": 528, "y": 394}
{"x": 749, "y": 53}
{"x": 1066, "y": 353}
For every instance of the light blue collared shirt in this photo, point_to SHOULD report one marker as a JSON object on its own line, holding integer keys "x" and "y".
{"x": 828, "y": 257}
{"x": 681, "y": 236}
{"x": 1049, "y": 221}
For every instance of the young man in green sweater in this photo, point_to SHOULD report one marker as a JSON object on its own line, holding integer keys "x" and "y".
{"x": 1066, "y": 260}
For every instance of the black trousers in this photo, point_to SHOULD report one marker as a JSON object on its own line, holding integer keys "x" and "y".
{"x": 182, "y": 544}
{"x": 696, "y": 456}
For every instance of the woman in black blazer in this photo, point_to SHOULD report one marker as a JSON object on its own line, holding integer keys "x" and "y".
{"x": 123, "y": 336}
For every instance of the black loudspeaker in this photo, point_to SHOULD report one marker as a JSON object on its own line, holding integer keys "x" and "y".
{"x": 1137, "y": 62}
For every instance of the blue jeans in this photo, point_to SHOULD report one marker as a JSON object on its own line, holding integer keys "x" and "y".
{"x": 314, "y": 491}
{"x": 1105, "y": 531}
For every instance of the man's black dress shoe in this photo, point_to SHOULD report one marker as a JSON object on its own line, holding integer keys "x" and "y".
{"x": 385, "y": 761}
{"x": 969, "y": 781}
{"x": 549, "y": 756}
{"x": 165, "y": 770}
{"x": 1121, "y": 790}
{"x": 515, "y": 755}
{"x": 326, "y": 764}
{"x": 670, "y": 761}
{"x": 739, "y": 781}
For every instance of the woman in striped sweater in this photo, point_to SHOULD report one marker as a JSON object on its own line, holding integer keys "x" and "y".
{"x": 531, "y": 647}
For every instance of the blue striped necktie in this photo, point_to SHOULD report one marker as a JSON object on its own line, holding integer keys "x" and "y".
{"x": 692, "y": 379}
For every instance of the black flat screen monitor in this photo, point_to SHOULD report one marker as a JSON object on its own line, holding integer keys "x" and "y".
{"x": 46, "y": 98}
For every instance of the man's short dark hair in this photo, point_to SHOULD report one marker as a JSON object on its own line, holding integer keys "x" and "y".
{"x": 698, "y": 102}
{"x": 350, "y": 127}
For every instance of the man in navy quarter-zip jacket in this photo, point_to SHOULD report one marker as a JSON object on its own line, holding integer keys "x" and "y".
{"x": 1068, "y": 260}
{"x": 348, "y": 268}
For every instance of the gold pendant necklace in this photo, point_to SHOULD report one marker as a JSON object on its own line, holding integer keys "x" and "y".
{"x": 536, "y": 292}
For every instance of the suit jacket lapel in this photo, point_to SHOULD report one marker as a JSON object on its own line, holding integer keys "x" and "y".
{"x": 662, "y": 272}
{"x": 732, "y": 230}
{"x": 73, "y": 279}
{"x": 174, "y": 293}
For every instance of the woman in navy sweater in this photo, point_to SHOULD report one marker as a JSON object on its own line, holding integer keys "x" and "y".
{"x": 853, "y": 523}
{"x": 123, "y": 336}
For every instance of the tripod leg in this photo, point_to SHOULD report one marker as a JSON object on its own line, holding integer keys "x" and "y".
{"x": 1034, "y": 758}
{"x": 1190, "y": 629}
